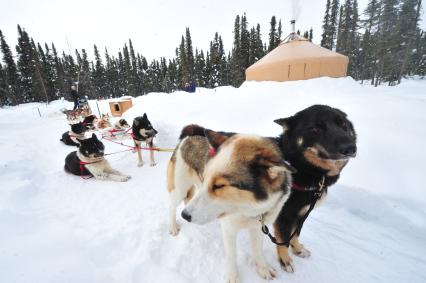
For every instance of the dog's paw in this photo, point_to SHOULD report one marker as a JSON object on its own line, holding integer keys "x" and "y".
{"x": 123, "y": 179}
{"x": 301, "y": 252}
{"x": 265, "y": 271}
{"x": 287, "y": 265}
{"x": 232, "y": 278}
{"x": 153, "y": 164}
{"x": 174, "y": 230}
{"x": 102, "y": 176}
{"x": 140, "y": 164}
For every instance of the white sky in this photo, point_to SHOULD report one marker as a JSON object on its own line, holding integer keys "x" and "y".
{"x": 155, "y": 27}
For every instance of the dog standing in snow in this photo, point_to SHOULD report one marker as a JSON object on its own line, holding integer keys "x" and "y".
{"x": 89, "y": 160}
{"x": 143, "y": 131}
{"x": 240, "y": 179}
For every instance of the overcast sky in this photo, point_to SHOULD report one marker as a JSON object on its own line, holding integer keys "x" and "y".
{"x": 155, "y": 26}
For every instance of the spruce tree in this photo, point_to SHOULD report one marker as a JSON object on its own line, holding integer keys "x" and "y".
{"x": 273, "y": 35}
{"x": 235, "y": 63}
{"x": 49, "y": 73}
{"x": 387, "y": 42}
{"x": 333, "y": 23}
{"x": 408, "y": 19}
{"x": 99, "y": 82}
{"x": 200, "y": 65}
{"x": 189, "y": 54}
{"x": 245, "y": 47}
{"x": 24, "y": 66}
{"x": 326, "y": 26}
{"x": 10, "y": 73}
{"x": 4, "y": 88}
{"x": 280, "y": 33}
{"x": 60, "y": 79}
{"x": 306, "y": 34}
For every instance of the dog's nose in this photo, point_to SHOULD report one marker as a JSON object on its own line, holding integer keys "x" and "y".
{"x": 348, "y": 150}
{"x": 186, "y": 216}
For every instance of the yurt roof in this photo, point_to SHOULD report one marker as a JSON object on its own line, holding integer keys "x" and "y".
{"x": 298, "y": 50}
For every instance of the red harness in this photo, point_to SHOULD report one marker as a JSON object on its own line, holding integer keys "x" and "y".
{"x": 82, "y": 163}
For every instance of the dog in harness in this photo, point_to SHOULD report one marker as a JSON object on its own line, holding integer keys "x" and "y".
{"x": 89, "y": 161}
{"x": 77, "y": 133}
{"x": 142, "y": 131}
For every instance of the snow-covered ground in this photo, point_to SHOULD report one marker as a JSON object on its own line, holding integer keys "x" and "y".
{"x": 55, "y": 227}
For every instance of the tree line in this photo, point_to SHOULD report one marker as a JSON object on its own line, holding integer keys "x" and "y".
{"x": 383, "y": 45}
{"x": 38, "y": 73}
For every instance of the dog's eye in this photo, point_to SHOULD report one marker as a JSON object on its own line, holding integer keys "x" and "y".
{"x": 315, "y": 130}
{"x": 217, "y": 186}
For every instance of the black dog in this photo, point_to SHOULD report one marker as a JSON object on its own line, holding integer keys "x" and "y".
{"x": 77, "y": 132}
{"x": 318, "y": 141}
{"x": 143, "y": 131}
{"x": 89, "y": 161}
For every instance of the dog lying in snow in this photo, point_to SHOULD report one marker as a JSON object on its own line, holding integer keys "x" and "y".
{"x": 89, "y": 160}
{"x": 77, "y": 133}
{"x": 90, "y": 121}
{"x": 246, "y": 180}
{"x": 104, "y": 121}
{"x": 121, "y": 125}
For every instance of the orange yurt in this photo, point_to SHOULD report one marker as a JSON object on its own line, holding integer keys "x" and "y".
{"x": 297, "y": 58}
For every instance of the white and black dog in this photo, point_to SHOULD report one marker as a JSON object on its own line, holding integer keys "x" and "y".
{"x": 77, "y": 133}
{"x": 244, "y": 184}
{"x": 121, "y": 125}
{"x": 143, "y": 131}
{"x": 89, "y": 160}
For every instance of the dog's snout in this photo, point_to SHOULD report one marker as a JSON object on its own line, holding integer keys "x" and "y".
{"x": 348, "y": 150}
{"x": 186, "y": 215}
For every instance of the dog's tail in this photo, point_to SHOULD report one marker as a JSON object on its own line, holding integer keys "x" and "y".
{"x": 192, "y": 130}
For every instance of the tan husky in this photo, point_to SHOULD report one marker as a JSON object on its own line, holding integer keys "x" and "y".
{"x": 245, "y": 180}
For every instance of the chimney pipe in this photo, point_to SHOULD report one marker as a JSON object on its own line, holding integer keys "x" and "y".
{"x": 293, "y": 26}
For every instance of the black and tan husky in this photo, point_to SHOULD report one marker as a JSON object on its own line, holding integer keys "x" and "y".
{"x": 143, "y": 131}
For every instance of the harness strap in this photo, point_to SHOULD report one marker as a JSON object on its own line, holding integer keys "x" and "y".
{"x": 82, "y": 163}
{"x": 265, "y": 228}
{"x": 142, "y": 148}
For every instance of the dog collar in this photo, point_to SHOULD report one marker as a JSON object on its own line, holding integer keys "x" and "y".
{"x": 297, "y": 187}
{"x": 212, "y": 152}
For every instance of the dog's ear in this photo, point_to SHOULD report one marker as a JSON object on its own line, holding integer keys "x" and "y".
{"x": 94, "y": 136}
{"x": 286, "y": 123}
{"x": 275, "y": 170}
{"x": 340, "y": 112}
{"x": 215, "y": 139}
{"x": 136, "y": 121}
{"x": 145, "y": 116}
{"x": 274, "y": 165}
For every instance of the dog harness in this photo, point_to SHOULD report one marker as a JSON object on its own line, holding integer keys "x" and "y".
{"x": 317, "y": 196}
{"x": 212, "y": 152}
